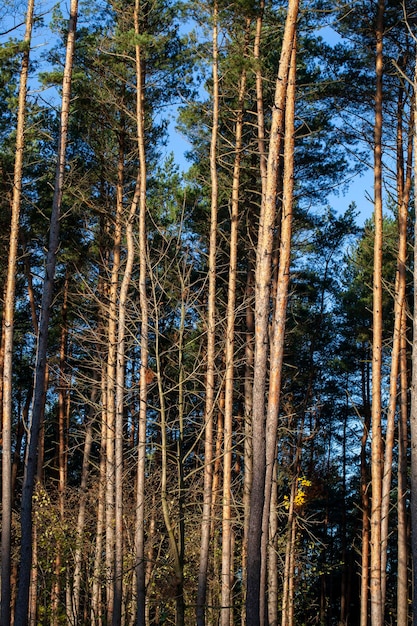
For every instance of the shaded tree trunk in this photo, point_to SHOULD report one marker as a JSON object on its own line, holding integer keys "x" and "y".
{"x": 75, "y": 617}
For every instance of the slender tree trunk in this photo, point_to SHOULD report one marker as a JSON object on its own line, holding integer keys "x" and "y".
{"x": 377, "y": 452}
{"x": 75, "y": 617}
{"x": 403, "y": 193}
{"x": 262, "y": 294}
{"x": 33, "y": 591}
{"x": 96, "y": 599}
{"x": 173, "y": 544}
{"x": 120, "y": 396}
{"x": 140, "y": 495}
{"x": 402, "y": 537}
{"x": 260, "y": 98}
{"x": 111, "y": 388}
{"x": 211, "y": 336}
{"x": 290, "y": 548}
{"x": 7, "y": 334}
{"x": 150, "y": 553}
{"x": 273, "y": 557}
{"x": 250, "y": 323}
{"x": 248, "y": 459}
{"x": 227, "y": 556}
{"x": 364, "y": 491}
{"x": 40, "y": 367}
{"x": 62, "y": 452}
{"x": 413, "y": 412}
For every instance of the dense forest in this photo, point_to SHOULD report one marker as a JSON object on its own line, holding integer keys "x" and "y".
{"x": 208, "y": 370}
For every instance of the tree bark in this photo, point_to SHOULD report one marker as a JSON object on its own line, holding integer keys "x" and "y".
{"x": 110, "y": 402}
{"x": 227, "y": 555}
{"x": 279, "y": 319}
{"x": 75, "y": 617}
{"x": 376, "y": 444}
{"x": 140, "y": 568}
{"x": 21, "y": 617}
{"x": 403, "y": 196}
{"x": 211, "y": 337}
{"x": 120, "y": 395}
{"x": 8, "y": 325}
{"x": 63, "y": 408}
{"x": 402, "y": 536}
{"x": 262, "y": 294}
{"x": 413, "y": 411}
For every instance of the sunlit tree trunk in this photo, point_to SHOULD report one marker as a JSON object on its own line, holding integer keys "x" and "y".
{"x": 260, "y": 98}
{"x": 227, "y": 554}
{"x": 110, "y": 403}
{"x": 211, "y": 336}
{"x": 140, "y": 565}
{"x": 119, "y": 413}
{"x": 402, "y": 536}
{"x": 7, "y": 330}
{"x": 403, "y": 195}
{"x": 248, "y": 425}
{"x": 364, "y": 492}
{"x": 40, "y": 367}
{"x": 150, "y": 553}
{"x": 33, "y": 591}
{"x": 413, "y": 412}
{"x": 273, "y": 557}
{"x": 278, "y": 325}
{"x": 262, "y": 294}
{"x": 96, "y": 593}
{"x": 376, "y": 446}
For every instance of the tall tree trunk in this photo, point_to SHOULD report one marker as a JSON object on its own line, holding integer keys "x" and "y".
{"x": 111, "y": 386}
{"x": 376, "y": 446}
{"x": 75, "y": 617}
{"x": 248, "y": 458}
{"x": 33, "y": 591}
{"x": 120, "y": 396}
{"x": 279, "y": 319}
{"x": 227, "y": 555}
{"x": 169, "y": 525}
{"x": 403, "y": 195}
{"x": 364, "y": 491}
{"x": 273, "y": 556}
{"x": 63, "y": 407}
{"x": 262, "y": 295}
{"x": 260, "y": 98}
{"x": 7, "y": 328}
{"x": 413, "y": 412}
{"x": 402, "y": 536}
{"x": 96, "y": 599}
{"x": 211, "y": 336}
{"x": 40, "y": 367}
{"x": 140, "y": 568}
